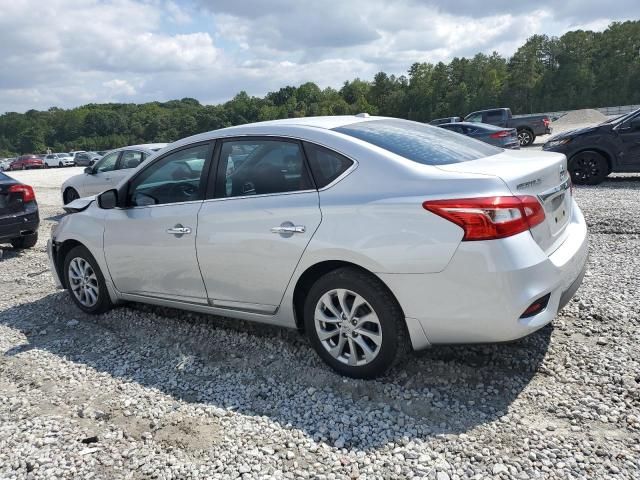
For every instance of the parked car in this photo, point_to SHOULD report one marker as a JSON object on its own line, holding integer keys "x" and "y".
{"x": 368, "y": 233}
{"x": 58, "y": 160}
{"x": 25, "y": 162}
{"x": 86, "y": 159}
{"x": 19, "y": 219}
{"x": 5, "y": 163}
{"x": 440, "y": 121}
{"x": 498, "y": 136}
{"x": 73, "y": 153}
{"x": 108, "y": 171}
{"x": 528, "y": 126}
{"x": 595, "y": 152}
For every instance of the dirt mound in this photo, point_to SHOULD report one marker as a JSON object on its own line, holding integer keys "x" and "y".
{"x": 579, "y": 117}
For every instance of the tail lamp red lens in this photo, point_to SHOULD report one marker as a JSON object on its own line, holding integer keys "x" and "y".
{"x": 545, "y": 121}
{"x": 501, "y": 134}
{"x": 26, "y": 191}
{"x": 490, "y": 218}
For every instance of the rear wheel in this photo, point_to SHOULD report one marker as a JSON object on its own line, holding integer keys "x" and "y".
{"x": 354, "y": 323}
{"x": 85, "y": 281}
{"x": 525, "y": 137}
{"x": 588, "y": 168}
{"x": 70, "y": 194}
{"x": 28, "y": 241}
{"x": 60, "y": 165}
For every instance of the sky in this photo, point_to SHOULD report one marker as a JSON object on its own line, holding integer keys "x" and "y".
{"x": 66, "y": 53}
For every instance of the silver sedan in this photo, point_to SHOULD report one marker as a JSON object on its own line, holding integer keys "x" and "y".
{"x": 372, "y": 235}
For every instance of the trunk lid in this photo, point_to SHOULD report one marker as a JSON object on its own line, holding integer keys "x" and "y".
{"x": 541, "y": 174}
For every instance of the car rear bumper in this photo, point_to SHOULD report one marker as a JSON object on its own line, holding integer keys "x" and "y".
{"x": 20, "y": 225}
{"x": 481, "y": 295}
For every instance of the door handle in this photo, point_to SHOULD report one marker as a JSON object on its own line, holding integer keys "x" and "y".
{"x": 289, "y": 229}
{"x": 179, "y": 230}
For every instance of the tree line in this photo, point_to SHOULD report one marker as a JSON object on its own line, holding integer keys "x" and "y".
{"x": 580, "y": 69}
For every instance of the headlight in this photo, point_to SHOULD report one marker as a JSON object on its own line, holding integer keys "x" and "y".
{"x": 555, "y": 143}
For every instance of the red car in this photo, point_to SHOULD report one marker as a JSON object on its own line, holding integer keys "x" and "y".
{"x": 26, "y": 161}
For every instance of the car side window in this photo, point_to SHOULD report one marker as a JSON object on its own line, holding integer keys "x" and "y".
{"x": 173, "y": 179}
{"x": 108, "y": 163}
{"x": 326, "y": 165}
{"x": 494, "y": 116}
{"x": 130, "y": 159}
{"x": 476, "y": 118}
{"x": 260, "y": 166}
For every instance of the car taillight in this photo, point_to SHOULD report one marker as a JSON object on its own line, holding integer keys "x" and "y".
{"x": 545, "y": 121}
{"x": 489, "y": 218}
{"x": 27, "y": 192}
{"x": 501, "y": 134}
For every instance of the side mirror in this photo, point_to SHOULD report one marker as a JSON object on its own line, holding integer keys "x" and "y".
{"x": 88, "y": 171}
{"x": 108, "y": 200}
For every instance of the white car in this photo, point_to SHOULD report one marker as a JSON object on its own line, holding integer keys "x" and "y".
{"x": 58, "y": 160}
{"x": 108, "y": 171}
{"x": 368, "y": 233}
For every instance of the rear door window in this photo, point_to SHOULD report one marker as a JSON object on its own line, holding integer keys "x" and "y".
{"x": 418, "y": 142}
{"x": 130, "y": 159}
{"x": 260, "y": 167}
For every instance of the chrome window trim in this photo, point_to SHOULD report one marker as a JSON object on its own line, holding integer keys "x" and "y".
{"x": 262, "y": 195}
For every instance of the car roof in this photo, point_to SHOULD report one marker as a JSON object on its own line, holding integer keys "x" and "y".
{"x": 270, "y": 127}
{"x": 143, "y": 146}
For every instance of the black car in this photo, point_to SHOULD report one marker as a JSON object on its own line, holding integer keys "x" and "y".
{"x": 528, "y": 126}
{"x": 19, "y": 218}
{"x": 595, "y": 152}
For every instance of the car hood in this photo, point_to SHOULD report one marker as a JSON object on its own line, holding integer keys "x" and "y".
{"x": 573, "y": 133}
{"x": 79, "y": 204}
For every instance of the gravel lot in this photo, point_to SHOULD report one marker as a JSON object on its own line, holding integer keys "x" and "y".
{"x": 144, "y": 392}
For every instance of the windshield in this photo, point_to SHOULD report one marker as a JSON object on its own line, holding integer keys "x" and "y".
{"x": 418, "y": 142}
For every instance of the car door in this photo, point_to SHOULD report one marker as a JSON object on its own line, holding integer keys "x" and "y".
{"x": 99, "y": 179}
{"x": 254, "y": 230}
{"x": 629, "y": 135}
{"x": 149, "y": 244}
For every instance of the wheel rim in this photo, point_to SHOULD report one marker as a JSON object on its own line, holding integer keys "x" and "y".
{"x": 524, "y": 138}
{"x": 348, "y": 327}
{"x": 585, "y": 168}
{"x": 83, "y": 282}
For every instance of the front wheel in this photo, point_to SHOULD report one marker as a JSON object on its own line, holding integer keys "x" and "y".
{"x": 70, "y": 194}
{"x": 354, "y": 323}
{"x": 526, "y": 138}
{"x": 85, "y": 281}
{"x": 588, "y": 168}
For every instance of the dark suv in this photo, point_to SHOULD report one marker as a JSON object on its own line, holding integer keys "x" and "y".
{"x": 595, "y": 152}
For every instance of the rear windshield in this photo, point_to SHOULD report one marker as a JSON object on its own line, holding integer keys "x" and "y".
{"x": 419, "y": 142}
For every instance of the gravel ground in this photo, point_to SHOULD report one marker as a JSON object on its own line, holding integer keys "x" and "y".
{"x": 144, "y": 392}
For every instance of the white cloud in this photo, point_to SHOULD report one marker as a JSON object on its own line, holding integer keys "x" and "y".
{"x": 70, "y": 52}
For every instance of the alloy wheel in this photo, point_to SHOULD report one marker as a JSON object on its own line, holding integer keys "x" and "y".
{"x": 524, "y": 138}
{"x": 348, "y": 327}
{"x": 83, "y": 282}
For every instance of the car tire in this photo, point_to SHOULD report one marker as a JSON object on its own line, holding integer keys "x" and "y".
{"x": 384, "y": 335}
{"x": 588, "y": 168}
{"x": 70, "y": 194}
{"x": 28, "y": 241}
{"x": 85, "y": 282}
{"x": 60, "y": 165}
{"x": 526, "y": 137}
